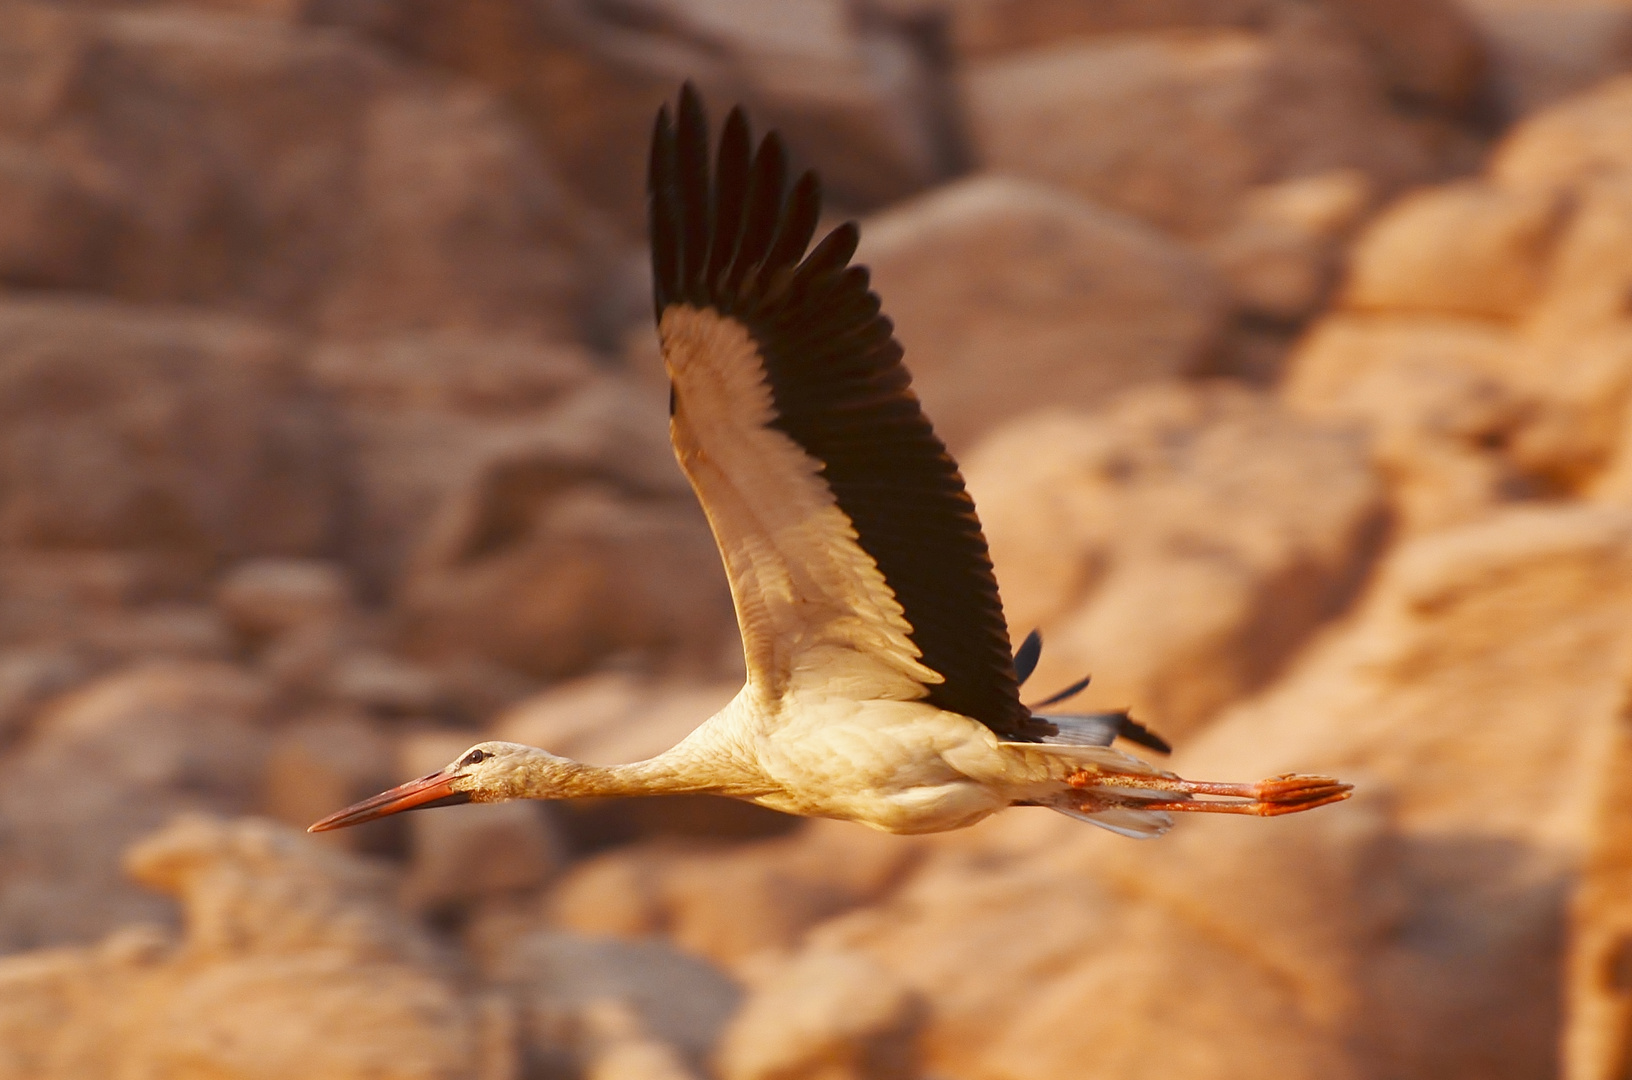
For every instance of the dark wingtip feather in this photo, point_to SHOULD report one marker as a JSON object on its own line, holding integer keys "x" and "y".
{"x": 762, "y": 209}
{"x": 833, "y": 253}
{"x": 1027, "y": 655}
{"x": 799, "y": 220}
{"x": 691, "y": 158}
{"x": 1135, "y": 732}
{"x": 731, "y": 178}
{"x": 1065, "y": 695}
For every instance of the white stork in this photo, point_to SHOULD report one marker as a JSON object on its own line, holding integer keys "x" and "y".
{"x": 881, "y": 687}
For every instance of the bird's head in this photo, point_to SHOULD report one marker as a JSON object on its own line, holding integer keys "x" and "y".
{"x": 487, "y": 772}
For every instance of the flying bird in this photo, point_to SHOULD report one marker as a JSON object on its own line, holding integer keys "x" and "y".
{"x": 881, "y": 686}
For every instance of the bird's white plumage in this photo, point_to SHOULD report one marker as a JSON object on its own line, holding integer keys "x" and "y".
{"x": 817, "y": 617}
{"x": 880, "y": 684}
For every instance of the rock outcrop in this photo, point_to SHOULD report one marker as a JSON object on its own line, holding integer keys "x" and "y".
{"x": 1410, "y": 934}
{"x": 1009, "y": 296}
{"x": 1179, "y": 544}
{"x": 1287, "y": 345}
{"x": 1257, "y": 107}
{"x": 293, "y": 963}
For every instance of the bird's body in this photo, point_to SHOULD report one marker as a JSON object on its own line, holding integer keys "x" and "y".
{"x": 881, "y": 686}
{"x": 899, "y": 766}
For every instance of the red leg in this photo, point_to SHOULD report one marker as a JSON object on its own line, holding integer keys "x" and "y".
{"x": 1267, "y": 798}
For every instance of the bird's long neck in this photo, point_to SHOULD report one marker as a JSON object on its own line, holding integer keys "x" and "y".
{"x": 670, "y": 773}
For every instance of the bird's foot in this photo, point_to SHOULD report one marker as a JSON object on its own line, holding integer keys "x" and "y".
{"x": 1286, "y": 794}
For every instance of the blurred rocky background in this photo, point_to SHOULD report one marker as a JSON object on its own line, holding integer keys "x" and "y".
{"x": 1287, "y": 345}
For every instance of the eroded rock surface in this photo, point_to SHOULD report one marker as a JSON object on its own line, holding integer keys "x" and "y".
{"x": 1178, "y": 544}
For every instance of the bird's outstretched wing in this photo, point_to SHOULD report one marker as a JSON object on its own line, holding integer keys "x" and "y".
{"x": 855, "y": 558}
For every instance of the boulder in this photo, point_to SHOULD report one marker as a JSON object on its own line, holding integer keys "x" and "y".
{"x": 613, "y": 717}
{"x": 1179, "y": 544}
{"x": 1468, "y": 250}
{"x": 1411, "y": 931}
{"x": 53, "y": 229}
{"x": 1258, "y": 108}
{"x": 1437, "y": 397}
{"x": 31, "y": 677}
{"x": 574, "y": 539}
{"x": 1585, "y": 285}
{"x": 860, "y": 96}
{"x": 1540, "y": 52}
{"x": 736, "y": 905}
{"x": 618, "y": 1047}
{"x": 1579, "y": 381}
{"x": 133, "y": 427}
{"x": 826, "y": 1016}
{"x": 1008, "y": 296}
{"x": 105, "y": 764}
{"x": 1571, "y": 142}
{"x": 235, "y": 161}
{"x": 1597, "y": 1035}
{"x": 292, "y": 964}
{"x": 563, "y": 982}
{"x": 1429, "y": 52}
{"x": 58, "y": 598}
{"x": 1280, "y": 257}
{"x": 422, "y": 412}
{"x": 452, "y": 372}
{"x": 988, "y": 28}
{"x": 462, "y": 226}
{"x": 1484, "y": 340}
{"x": 1426, "y": 50}
{"x": 263, "y": 598}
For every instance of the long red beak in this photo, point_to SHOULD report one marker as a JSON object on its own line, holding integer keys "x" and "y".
{"x": 433, "y": 790}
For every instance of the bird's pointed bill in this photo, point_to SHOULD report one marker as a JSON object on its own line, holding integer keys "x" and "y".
{"x": 433, "y": 790}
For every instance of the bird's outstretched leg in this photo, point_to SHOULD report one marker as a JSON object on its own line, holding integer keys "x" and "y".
{"x": 1285, "y": 794}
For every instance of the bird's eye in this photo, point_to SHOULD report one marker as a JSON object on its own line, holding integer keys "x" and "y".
{"x": 475, "y": 757}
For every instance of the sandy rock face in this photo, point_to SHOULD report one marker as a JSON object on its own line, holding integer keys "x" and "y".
{"x": 106, "y": 764}
{"x": 1177, "y": 544}
{"x": 1598, "y": 1031}
{"x": 1008, "y": 296}
{"x": 1428, "y": 50}
{"x": 827, "y": 1016}
{"x": 1281, "y": 255}
{"x": 1437, "y": 400}
{"x": 292, "y": 964}
{"x": 1540, "y": 52}
{"x": 1404, "y": 934}
{"x": 1258, "y": 108}
{"x": 1465, "y": 249}
{"x": 575, "y": 537}
{"x": 129, "y": 428}
{"x": 735, "y": 905}
{"x": 1484, "y": 341}
{"x": 619, "y": 1002}
{"x": 233, "y": 161}
{"x": 422, "y": 411}
{"x": 50, "y": 234}
{"x": 858, "y": 95}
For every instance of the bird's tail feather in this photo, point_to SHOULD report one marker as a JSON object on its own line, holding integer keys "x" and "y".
{"x": 1101, "y": 729}
{"x": 1123, "y": 820}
